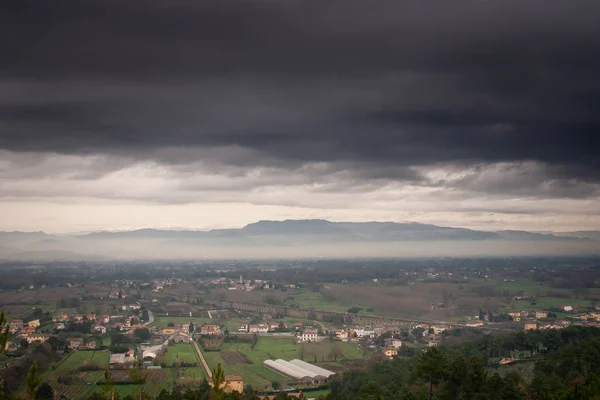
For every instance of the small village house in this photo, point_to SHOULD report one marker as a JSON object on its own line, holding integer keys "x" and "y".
{"x": 210, "y": 330}
{"x": 390, "y": 352}
{"x": 34, "y": 324}
{"x": 530, "y": 326}
{"x": 75, "y": 343}
{"x": 392, "y": 342}
{"x": 15, "y": 325}
{"x": 232, "y": 383}
{"x": 260, "y": 328}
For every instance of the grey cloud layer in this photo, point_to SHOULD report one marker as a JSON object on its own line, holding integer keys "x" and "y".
{"x": 377, "y": 91}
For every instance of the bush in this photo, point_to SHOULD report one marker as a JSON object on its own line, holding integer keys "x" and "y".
{"x": 187, "y": 364}
{"x": 89, "y": 366}
{"x": 118, "y": 349}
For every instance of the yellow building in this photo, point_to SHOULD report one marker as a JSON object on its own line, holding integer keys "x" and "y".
{"x": 390, "y": 352}
{"x": 167, "y": 331}
{"x": 232, "y": 383}
{"x": 541, "y": 314}
{"x": 531, "y": 327}
{"x": 34, "y": 324}
{"x": 37, "y": 337}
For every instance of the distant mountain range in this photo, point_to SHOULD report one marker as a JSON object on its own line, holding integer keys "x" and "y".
{"x": 360, "y": 231}
{"x": 288, "y": 233}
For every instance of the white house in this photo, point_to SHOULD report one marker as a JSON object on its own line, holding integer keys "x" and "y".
{"x": 260, "y": 328}
{"x": 309, "y": 335}
{"x": 100, "y": 329}
{"x": 362, "y": 332}
{"x": 391, "y": 342}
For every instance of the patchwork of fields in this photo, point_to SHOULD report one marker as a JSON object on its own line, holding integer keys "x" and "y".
{"x": 86, "y": 382}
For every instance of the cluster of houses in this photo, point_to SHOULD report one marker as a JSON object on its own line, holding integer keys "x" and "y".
{"x": 205, "y": 330}
{"x": 27, "y": 330}
{"x": 101, "y": 324}
{"x": 233, "y": 284}
{"x": 589, "y": 319}
{"x": 81, "y": 343}
{"x": 264, "y": 327}
{"x": 559, "y": 324}
{"x": 517, "y": 316}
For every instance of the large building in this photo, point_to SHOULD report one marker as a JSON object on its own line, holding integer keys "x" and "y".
{"x": 309, "y": 335}
{"x": 38, "y": 337}
{"x": 15, "y": 325}
{"x": 299, "y": 370}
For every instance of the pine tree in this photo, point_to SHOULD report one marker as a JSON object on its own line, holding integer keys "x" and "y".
{"x": 4, "y": 328}
{"x": 218, "y": 376}
{"x": 431, "y": 366}
{"x": 32, "y": 381}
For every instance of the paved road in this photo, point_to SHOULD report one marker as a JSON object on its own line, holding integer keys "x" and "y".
{"x": 150, "y": 318}
{"x": 204, "y": 364}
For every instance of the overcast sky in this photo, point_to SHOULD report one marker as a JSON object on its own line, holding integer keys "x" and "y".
{"x": 202, "y": 114}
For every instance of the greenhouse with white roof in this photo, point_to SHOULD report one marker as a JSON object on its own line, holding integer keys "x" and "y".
{"x": 299, "y": 370}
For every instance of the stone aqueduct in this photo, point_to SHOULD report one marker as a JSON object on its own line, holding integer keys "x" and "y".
{"x": 319, "y": 315}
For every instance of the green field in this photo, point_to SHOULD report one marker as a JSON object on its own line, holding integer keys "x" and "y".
{"x": 352, "y": 351}
{"x": 182, "y": 352}
{"x": 254, "y": 374}
{"x": 268, "y": 347}
{"x": 230, "y": 323}
{"x": 193, "y": 372}
{"x": 78, "y": 357}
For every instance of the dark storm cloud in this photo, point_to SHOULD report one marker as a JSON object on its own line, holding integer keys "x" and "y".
{"x": 377, "y": 87}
